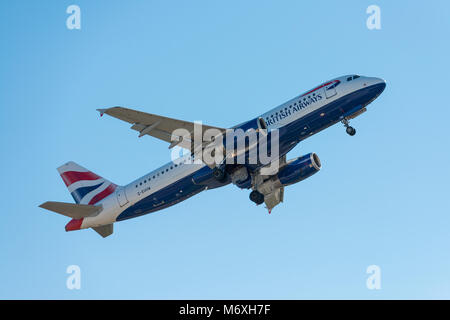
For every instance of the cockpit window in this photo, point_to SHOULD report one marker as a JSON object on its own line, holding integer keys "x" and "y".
{"x": 353, "y": 77}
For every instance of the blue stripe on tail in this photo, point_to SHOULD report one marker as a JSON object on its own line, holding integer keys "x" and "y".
{"x": 79, "y": 193}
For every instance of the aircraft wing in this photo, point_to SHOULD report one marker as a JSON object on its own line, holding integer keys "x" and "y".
{"x": 157, "y": 126}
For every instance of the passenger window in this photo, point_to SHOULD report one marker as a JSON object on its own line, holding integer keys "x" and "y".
{"x": 355, "y": 77}
{"x": 349, "y": 79}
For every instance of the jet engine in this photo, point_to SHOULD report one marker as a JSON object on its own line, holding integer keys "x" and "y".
{"x": 299, "y": 169}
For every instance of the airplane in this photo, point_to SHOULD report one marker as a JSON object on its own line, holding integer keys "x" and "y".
{"x": 99, "y": 203}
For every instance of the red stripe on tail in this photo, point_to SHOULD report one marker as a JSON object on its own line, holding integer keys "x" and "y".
{"x": 70, "y": 177}
{"x": 74, "y": 224}
{"x": 103, "y": 194}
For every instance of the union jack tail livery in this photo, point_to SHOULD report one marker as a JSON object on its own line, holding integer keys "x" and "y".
{"x": 85, "y": 186}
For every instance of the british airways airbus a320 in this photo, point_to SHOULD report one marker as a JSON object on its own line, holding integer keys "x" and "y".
{"x": 100, "y": 203}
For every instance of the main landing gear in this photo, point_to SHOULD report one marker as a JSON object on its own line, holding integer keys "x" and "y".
{"x": 219, "y": 174}
{"x": 350, "y": 130}
{"x": 256, "y": 197}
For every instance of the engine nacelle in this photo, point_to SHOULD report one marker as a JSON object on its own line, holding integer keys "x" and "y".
{"x": 299, "y": 169}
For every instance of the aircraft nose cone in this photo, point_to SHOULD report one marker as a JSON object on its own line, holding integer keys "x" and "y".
{"x": 381, "y": 83}
{"x": 375, "y": 88}
{"x": 378, "y": 84}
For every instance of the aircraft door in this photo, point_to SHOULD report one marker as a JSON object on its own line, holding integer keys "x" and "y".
{"x": 330, "y": 90}
{"x": 121, "y": 196}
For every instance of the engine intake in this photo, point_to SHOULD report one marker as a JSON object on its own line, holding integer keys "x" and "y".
{"x": 299, "y": 169}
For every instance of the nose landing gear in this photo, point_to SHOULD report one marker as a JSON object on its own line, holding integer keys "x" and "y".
{"x": 350, "y": 130}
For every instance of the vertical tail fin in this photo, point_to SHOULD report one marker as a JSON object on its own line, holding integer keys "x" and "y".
{"x": 85, "y": 186}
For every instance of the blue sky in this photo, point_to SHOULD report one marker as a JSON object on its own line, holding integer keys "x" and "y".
{"x": 381, "y": 197}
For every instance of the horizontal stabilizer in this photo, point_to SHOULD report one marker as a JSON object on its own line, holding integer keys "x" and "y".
{"x": 72, "y": 210}
{"x": 104, "y": 231}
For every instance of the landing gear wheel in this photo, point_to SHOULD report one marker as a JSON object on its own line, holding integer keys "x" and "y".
{"x": 351, "y": 131}
{"x": 256, "y": 197}
{"x": 219, "y": 174}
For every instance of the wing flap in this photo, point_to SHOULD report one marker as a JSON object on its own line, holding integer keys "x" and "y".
{"x": 274, "y": 198}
